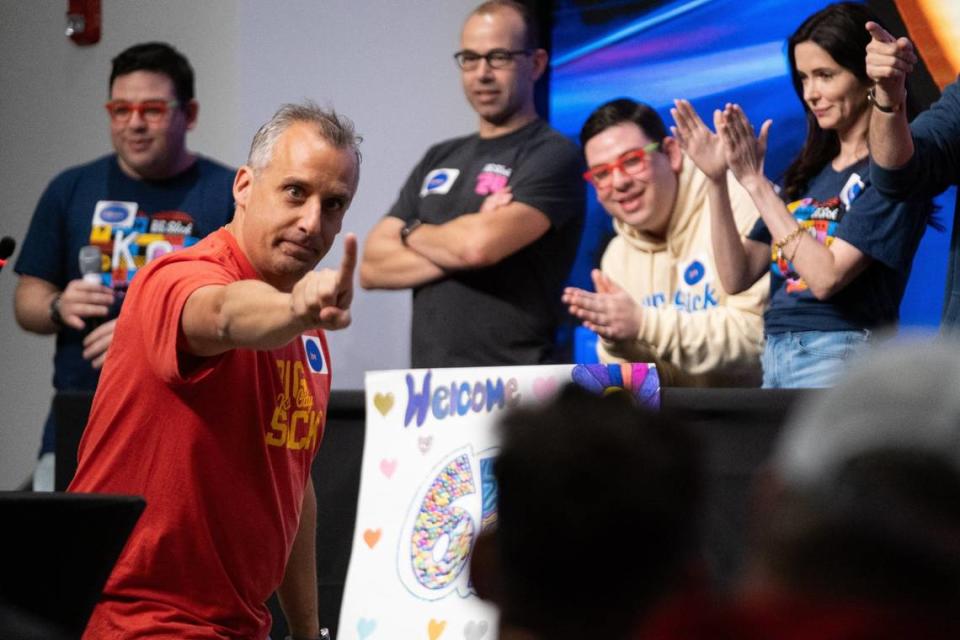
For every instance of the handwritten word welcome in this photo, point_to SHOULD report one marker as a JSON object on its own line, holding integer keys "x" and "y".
{"x": 457, "y": 398}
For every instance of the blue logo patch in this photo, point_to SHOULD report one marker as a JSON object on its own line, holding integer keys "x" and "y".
{"x": 113, "y": 213}
{"x": 437, "y": 180}
{"x": 694, "y": 273}
{"x": 315, "y": 360}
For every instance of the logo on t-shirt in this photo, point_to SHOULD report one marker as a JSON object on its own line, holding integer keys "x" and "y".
{"x": 694, "y": 272}
{"x": 114, "y": 213}
{"x": 314, "y": 351}
{"x": 129, "y": 238}
{"x": 439, "y": 181}
{"x": 820, "y": 219}
{"x": 492, "y": 179}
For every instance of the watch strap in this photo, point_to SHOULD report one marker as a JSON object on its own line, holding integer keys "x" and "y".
{"x": 872, "y": 99}
{"x": 408, "y": 228}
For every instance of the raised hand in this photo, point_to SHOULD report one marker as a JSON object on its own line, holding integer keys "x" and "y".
{"x": 744, "y": 151}
{"x": 889, "y": 61}
{"x": 610, "y": 312}
{"x": 701, "y": 145}
{"x": 322, "y": 298}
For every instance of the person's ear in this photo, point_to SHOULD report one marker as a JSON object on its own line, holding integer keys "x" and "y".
{"x": 671, "y": 148}
{"x": 540, "y": 58}
{"x": 191, "y": 111}
{"x": 241, "y": 185}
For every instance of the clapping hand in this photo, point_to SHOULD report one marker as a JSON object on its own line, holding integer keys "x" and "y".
{"x": 610, "y": 312}
{"x": 701, "y": 145}
{"x": 743, "y": 149}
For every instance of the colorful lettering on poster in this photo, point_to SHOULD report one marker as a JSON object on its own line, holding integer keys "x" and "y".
{"x": 295, "y": 423}
{"x": 443, "y": 533}
{"x": 457, "y": 398}
{"x": 456, "y": 501}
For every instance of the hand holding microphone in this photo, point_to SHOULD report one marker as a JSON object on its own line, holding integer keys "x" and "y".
{"x": 85, "y": 297}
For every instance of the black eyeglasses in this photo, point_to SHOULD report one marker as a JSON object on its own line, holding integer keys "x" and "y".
{"x": 496, "y": 58}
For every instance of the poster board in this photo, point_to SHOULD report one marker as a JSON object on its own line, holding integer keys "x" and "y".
{"x": 427, "y": 490}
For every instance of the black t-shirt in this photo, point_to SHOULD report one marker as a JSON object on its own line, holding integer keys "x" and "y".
{"x": 844, "y": 204}
{"x": 506, "y": 313}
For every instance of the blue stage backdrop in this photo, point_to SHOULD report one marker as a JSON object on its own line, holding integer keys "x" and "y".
{"x": 710, "y": 52}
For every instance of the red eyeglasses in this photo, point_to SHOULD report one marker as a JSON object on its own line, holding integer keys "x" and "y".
{"x": 633, "y": 162}
{"x": 152, "y": 111}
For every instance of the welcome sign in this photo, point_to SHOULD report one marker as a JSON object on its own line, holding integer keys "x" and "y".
{"x": 427, "y": 490}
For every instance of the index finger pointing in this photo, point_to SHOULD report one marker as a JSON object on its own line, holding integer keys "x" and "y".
{"x": 878, "y": 33}
{"x": 349, "y": 262}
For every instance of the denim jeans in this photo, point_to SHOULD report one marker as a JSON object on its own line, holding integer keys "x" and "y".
{"x": 808, "y": 359}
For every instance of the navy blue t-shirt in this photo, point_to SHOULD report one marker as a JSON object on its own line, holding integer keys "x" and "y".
{"x": 843, "y": 204}
{"x": 130, "y": 221}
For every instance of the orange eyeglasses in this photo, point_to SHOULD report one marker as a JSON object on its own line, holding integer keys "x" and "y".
{"x": 152, "y": 111}
{"x": 633, "y": 162}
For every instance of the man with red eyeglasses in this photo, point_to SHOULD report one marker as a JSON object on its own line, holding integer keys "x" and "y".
{"x": 658, "y": 298}
{"x": 151, "y": 196}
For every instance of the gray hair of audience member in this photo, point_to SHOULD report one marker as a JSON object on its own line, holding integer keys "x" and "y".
{"x": 336, "y": 129}
{"x": 873, "y": 470}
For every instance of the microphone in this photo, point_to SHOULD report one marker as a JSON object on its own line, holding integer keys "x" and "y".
{"x": 7, "y": 245}
{"x": 90, "y": 264}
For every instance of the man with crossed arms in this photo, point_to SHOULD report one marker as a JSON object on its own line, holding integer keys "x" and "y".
{"x": 486, "y": 227}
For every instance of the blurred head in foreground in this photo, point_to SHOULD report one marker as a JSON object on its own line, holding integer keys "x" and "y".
{"x": 597, "y": 517}
{"x": 863, "y": 499}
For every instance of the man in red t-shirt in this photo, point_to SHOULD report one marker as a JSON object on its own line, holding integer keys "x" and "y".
{"x": 213, "y": 400}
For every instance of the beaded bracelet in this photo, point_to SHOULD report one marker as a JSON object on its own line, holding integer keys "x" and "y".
{"x": 790, "y": 236}
{"x": 796, "y": 249}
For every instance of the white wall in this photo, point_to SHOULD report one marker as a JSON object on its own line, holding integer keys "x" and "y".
{"x": 385, "y": 64}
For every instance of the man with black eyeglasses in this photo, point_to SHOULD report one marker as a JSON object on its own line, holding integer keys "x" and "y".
{"x": 97, "y": 223}
{"x": 486, "y": 227}
{"x": 657, "y": 295}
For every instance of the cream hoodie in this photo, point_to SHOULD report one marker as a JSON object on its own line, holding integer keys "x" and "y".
{"x": 695, "y": 333}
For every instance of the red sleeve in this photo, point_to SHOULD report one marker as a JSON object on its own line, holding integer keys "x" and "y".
{"x": 160, "y": 295}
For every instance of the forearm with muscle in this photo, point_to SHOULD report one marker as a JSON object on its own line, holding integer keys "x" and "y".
{"x": 388, "y": 264}
{"x": 891, "y": 144}
{"x": 735, "y": 266}
{"x": 826, "y": 270}
{"x": 246, "y": 314}
{"x": 32, "y": 305}
{"x": 456, "y": 244}
{"x": 476, "y": 240}
{"x": 298, "y": 591}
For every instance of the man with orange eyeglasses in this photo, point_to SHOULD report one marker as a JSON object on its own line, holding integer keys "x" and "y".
{"x": 658, "y": 298}
{"x": 97, "y": 223}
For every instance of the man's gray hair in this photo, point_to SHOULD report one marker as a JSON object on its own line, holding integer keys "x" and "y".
{"x": 336, "y": 129}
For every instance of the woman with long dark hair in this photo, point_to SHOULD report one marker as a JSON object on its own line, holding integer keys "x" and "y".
{"x": 838, "y": 252}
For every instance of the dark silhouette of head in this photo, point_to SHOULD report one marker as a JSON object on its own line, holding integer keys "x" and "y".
{"x": 598, "y": 511}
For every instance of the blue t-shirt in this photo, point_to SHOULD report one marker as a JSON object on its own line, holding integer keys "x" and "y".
{"x": 843, "y": 204}
{"x": 934, "y": 166}
{"x": 130, "y": 221}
